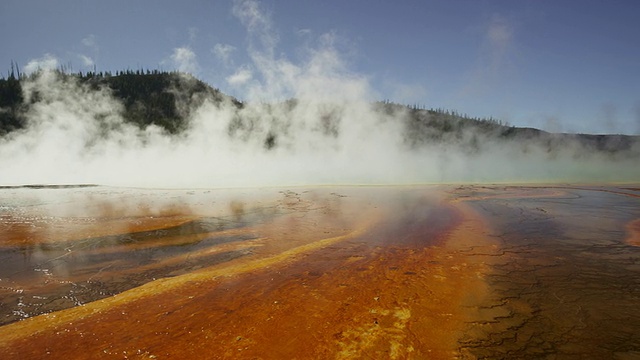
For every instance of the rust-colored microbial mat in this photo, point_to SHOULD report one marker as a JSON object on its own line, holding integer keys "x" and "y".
{"x": 423, "y": 272}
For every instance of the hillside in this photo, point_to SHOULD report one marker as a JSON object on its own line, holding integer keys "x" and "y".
{"x": 152, "y": 97}
{"x": 168, "y": 100}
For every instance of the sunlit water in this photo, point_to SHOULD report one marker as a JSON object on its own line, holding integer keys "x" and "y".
{"x": 394, "y": 272}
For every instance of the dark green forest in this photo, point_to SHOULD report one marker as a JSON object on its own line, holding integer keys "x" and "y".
{"x": 11, "y": 104}
{"x": 166, "y": 99}
{"x": 149, "y": 97}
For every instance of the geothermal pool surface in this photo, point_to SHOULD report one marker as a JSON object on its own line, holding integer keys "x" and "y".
{"x": 436, "y": 272}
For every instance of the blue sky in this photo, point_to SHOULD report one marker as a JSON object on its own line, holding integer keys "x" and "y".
{"x": 570, "y": 66}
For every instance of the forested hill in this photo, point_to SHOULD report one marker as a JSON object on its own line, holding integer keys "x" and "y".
{"x": 167, "y": 99}
{"x": 149, "y": 97}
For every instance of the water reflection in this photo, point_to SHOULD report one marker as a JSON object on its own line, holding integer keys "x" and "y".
{"x": 569, "y": 285}
{"x": 65, "y": 247}
{"x": 357, "y": 272}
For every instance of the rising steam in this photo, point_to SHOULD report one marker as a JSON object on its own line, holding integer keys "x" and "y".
{"x": 313, "y": 122}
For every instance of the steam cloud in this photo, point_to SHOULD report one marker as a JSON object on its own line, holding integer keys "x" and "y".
{"x": 332, "y": 133}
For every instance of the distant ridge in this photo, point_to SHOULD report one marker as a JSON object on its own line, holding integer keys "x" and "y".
{"x": 168, "y": 99}
{"x": 45, "y": 186}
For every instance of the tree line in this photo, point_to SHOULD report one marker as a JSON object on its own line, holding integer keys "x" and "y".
{"x": 156, "y": 97}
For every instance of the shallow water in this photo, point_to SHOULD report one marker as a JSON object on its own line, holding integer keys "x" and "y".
{"x": 66, "y": 247}
{"x": 353, "y": 272}
{"x": 570, "y": 285}
{"x": 63, "y": 247}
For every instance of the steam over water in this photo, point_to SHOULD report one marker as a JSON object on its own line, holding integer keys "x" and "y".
{"x": 332, "y": 133}
{"x": 76, "y": 136}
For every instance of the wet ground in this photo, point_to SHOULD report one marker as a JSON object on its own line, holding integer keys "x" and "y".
{"x": 437, "y": 272}
{"x": 568, "y": 276}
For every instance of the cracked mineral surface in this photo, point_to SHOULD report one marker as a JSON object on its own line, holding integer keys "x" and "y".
{"x": 567, "y": 283}
{"x": 411, "y": 272}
